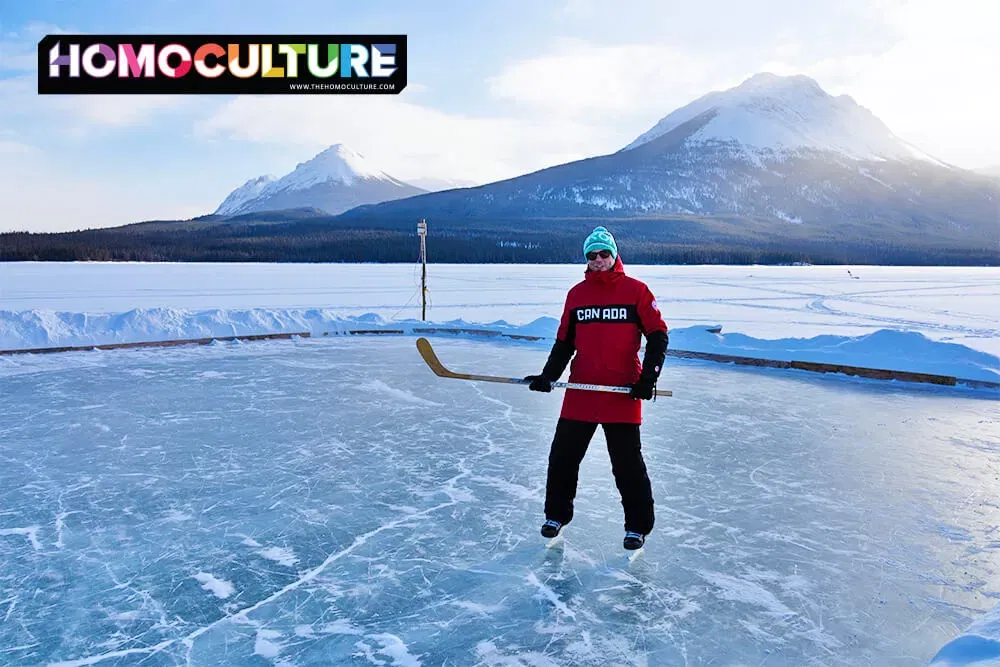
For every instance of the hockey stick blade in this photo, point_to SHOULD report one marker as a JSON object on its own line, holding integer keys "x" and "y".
{"x": 439, "y": 369}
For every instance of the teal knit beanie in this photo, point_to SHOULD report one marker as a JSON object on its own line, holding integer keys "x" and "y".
{"x": 600, "y": 239}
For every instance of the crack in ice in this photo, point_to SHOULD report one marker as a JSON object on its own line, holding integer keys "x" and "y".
{"x": 188, "y": 640}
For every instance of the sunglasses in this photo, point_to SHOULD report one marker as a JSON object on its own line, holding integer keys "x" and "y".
{"x": 603, "y": 254}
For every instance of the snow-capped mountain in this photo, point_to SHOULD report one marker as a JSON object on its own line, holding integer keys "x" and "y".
{"x": 244, "y": 194}
{"x": 771, "y": 114}
{"x": 774, "y": 149}
{"x": 333, "y": 181}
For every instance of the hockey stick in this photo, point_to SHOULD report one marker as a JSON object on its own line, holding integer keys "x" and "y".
{"x": 427, "y": 352}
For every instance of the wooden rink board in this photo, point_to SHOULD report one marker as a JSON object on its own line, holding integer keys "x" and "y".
{"x": 815, "y": 367}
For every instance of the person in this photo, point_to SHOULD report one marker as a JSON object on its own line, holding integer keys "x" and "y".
{"x": 602, "y": 323}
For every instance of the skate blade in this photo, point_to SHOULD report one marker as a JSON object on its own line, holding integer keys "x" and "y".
{"x": 555, "y": 541}
{"x": 632, "y": 555}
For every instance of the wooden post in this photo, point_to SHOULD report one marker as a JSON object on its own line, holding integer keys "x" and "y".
{"x": 422, "y": 233}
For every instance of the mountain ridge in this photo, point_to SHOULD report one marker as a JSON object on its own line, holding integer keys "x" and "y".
{"x": 334, "y": 180}
{"x": 783, "y": 171}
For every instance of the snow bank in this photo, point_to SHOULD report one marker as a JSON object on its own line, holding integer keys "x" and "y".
{"x": 886, "y": 349}
{"x": 979, "y": 644}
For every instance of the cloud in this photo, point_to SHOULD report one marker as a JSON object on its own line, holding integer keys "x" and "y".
{"x": 573, "y": 102}
{"x": 120, "y": 110}
{"x": 11, "y": 147}
{"x": 17, "y": 97}
{"x": 578, "y": 9}
{"x": 73, "y": 114}
{"x": 935, "y": 86}
{"x": 18, "y": 50}
{"x": 926, "y": 68}
{"x": 16, "y": 57}
{"x": 408, "y": 140}
{"x": 580, "y": 78}
{"x": 80, "y": 115}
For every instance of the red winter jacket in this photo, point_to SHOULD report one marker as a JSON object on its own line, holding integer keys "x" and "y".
{"x": 604, "y": 319}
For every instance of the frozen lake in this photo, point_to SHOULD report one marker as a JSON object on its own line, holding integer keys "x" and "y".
{"x": 950, "y": 304}
{"x": 332, "y": 502}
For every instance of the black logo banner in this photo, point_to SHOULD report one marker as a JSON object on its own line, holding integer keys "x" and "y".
{"x": 222, "y": 64}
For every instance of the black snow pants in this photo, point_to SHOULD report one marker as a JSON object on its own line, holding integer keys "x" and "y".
{"x": 568, "y": 448}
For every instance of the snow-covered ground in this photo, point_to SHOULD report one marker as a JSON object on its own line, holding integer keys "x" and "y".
{"x": 933, "y": 320}
{"x": 330, "y": 501}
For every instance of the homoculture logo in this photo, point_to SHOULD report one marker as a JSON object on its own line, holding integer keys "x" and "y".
{"x": 222, "y": 64}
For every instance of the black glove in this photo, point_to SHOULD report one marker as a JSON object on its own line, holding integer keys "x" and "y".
{"x": 539, "y": 383}
{"x": 644, "y": 388}
{"x": 652, "y": 363}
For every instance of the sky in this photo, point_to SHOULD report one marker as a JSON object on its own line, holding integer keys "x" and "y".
{"x": 494, "y": 90}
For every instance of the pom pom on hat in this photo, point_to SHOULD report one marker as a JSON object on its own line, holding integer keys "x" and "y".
{"x": 600, "y": 239}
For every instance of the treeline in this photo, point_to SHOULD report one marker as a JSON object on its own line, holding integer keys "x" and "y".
{"x": 327, "y": 240}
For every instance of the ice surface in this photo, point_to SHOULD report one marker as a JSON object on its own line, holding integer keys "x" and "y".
{"x": 332, "y": 502}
